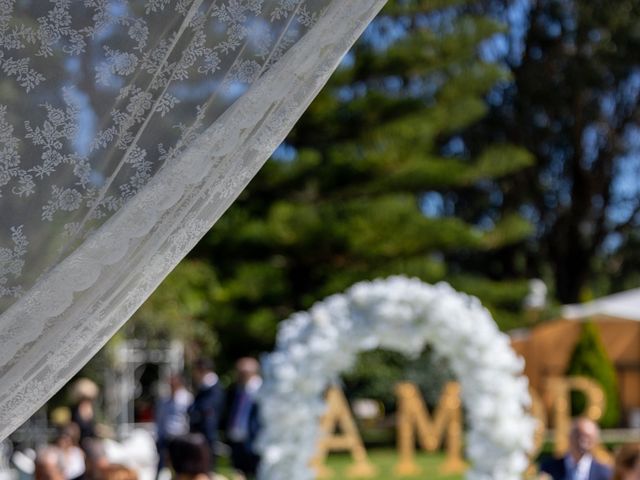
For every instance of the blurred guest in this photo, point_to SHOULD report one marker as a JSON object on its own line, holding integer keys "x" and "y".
{"x": 172, "y": 419}
{"x": 73, "y": 458}
{"x": 82, "y": 415}
{"x": 143, "y": 411}
{"x": 96, "y": 461}
{"x": 83, "y": 393}
{"x": 48, "y": 464}
{"x": 190, "y": 457}
{"x": 578, "y": 463}
{"x": 137, "y": 451}
{"x": 207, "y": 406}
{"x": 242, "y": 423}
{"x": 627, "y": 465}
{"x": 119, "y": 472}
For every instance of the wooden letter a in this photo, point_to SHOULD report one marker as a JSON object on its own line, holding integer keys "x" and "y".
{"x": 339, "y": 415}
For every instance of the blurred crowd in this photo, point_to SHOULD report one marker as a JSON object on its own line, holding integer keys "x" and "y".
{"x": 189, "y": 429}
{"x": 212, "y": 410}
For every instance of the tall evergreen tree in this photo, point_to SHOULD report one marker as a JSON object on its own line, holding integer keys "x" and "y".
{"x": 366, "y": 183}
{"x": 574, "y": 103}
{"x": 357, "y": 190}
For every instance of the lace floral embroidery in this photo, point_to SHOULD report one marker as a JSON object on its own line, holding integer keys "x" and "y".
{"x": 10, "y": 159}
{"x": 129, "y": 68}
{"x": 12, "y": 262}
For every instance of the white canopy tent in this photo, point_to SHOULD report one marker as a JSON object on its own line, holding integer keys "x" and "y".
{"x": 624, "y": 305}
{"x": 547, "y": 347}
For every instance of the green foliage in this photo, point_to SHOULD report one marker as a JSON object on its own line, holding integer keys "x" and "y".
{"x": 347, "y": 196}
{"x": 503, "y": 299}
{"x": 570, "y": 104}
{"x": 344, "y": 199}
{"x": 590, "y": 359}
{"x": 178, "y": 309}
{"x": 377, "y": 371}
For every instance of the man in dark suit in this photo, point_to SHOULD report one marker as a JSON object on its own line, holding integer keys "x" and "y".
{"x": 207, "y": 406}
{"x": 578, "y": 463}
{"x": 242, "y": 422}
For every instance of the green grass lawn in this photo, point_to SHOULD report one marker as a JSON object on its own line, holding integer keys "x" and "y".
{"x": 385, "y": 460}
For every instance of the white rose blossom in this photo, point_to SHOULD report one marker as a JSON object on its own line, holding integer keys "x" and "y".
{"x": 402, "y": 314}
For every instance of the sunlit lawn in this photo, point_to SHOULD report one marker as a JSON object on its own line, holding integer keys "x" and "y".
{"x": 385, "y": 460}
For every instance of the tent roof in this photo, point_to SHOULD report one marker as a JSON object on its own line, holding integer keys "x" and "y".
{"x": 619, "y": 305}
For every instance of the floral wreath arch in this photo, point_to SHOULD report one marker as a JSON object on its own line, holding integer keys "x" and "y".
{"x": 404, "y": 315}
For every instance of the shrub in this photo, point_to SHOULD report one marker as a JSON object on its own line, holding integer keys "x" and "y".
{"x": 590, "y": 359}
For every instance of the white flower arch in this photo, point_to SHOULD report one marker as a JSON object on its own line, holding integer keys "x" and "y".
{"x": 400, "y": 314}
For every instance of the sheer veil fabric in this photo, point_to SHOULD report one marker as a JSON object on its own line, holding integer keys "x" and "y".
{"x": 126, "y": 129}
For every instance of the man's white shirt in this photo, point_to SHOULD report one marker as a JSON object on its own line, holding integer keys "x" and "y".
{"x": 579, "y": 471}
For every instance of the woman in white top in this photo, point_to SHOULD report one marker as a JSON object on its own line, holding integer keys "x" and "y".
{"x": 73, "y": 460}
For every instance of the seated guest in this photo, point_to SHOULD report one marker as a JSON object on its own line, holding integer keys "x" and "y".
{"x": 578, "y": 463}
{"x": 190, "y": 457}
{"x": 627, "y": 466}
{"x": 72, "y": 455}
{"x": 48, "y": 464}
{"x": 97, "y": 462}
{"x": 119, "y": 472}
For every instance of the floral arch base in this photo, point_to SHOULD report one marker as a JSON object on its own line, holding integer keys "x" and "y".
{"x": 404, "y": 315}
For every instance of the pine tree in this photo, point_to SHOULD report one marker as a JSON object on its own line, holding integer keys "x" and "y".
{"x": 367, "y": 183}
{"x": 590, "y": 359}
{"x": 574, "y": 103}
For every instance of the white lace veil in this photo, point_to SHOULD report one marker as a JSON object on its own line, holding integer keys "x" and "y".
{"x": 126, "y": 130}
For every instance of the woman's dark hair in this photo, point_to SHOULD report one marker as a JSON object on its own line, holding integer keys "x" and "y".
{"x": 204, "y": 363}
{"x": 70, "y": 430}
{"x": 626, "y": 459}
{"x": 189, "y": 454}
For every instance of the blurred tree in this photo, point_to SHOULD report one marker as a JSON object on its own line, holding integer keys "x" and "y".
{"x": 364, "y": 185}
{"x": 377, "y": 371}
{"x": 623, "y": 265}
{"x": 574, "y": 104}
{"x": 590, "y": 359}
{"x": 178, "y": 309}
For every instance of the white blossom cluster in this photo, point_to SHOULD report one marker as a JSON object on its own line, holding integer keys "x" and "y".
{"x": 400, "y": 314}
